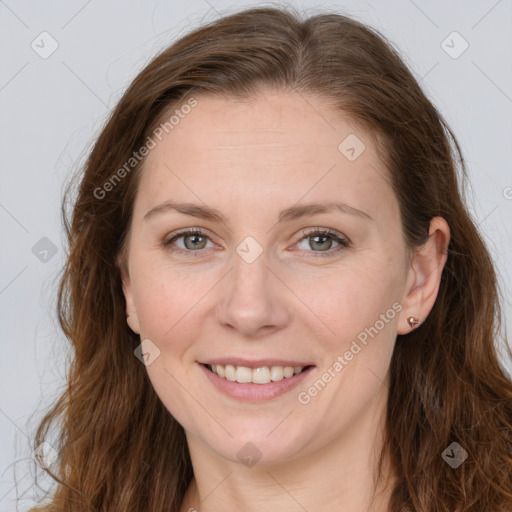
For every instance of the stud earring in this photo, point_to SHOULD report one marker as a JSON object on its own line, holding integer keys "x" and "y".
{"x": 413, "y": 321}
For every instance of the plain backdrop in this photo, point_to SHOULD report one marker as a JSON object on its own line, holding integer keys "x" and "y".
{"x": 64, "y": 65}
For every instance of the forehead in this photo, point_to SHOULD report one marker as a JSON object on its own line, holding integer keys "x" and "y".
{"x": 274, "y": 147}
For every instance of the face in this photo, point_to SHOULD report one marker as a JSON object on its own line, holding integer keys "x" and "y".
{"x": 265, "y": 280}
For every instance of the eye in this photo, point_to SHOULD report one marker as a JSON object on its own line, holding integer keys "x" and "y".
{"x": 194, "y": 240}
{"x": 322, "y": 239}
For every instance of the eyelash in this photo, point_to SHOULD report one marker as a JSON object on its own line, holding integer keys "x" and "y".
{"x": 344, "y": 242}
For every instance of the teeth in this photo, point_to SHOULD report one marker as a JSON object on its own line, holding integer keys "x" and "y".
{"x": 243, "y": 374}
{"x": 277, "y": 373}
{"x": 288, "y": 371}
{"x": 230, "y": 372}
{"x": 263, "y": 375}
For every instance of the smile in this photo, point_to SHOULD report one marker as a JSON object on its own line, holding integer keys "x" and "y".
{"x": 261, "y": 375}
{"x": 259, "y": 383}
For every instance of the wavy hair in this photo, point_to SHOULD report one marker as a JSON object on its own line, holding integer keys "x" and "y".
{"x": 119, "y": 448}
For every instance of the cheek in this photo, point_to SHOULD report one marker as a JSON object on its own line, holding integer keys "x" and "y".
{"x": 168, "y": 304}
{"x": 359, "y": 322}
{"x": 166, "y": 301}
{"x": 351, "y": 299}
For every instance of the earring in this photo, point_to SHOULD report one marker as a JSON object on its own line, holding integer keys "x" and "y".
{"x": 413, "y": 321}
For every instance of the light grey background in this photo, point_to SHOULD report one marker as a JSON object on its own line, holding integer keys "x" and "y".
{"x": 51, "y": 109}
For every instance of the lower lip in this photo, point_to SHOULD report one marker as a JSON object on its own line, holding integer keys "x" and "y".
{"x": 255, "y": 392}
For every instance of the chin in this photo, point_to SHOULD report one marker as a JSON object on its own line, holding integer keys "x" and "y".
{"x": 269, "y": 441}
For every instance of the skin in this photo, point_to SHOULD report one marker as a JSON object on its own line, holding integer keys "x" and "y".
{"x": 301, "y": 299}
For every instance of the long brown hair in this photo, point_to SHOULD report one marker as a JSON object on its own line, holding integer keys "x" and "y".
{"x": 119, "y": 448}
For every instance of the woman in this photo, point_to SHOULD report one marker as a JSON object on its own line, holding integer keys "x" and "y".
{"x": 274, "y": 292}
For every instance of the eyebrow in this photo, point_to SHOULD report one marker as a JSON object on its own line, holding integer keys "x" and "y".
{"x": 292, "y": 213}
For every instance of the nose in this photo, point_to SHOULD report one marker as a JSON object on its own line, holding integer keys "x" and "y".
{"x": 255, "y": 301}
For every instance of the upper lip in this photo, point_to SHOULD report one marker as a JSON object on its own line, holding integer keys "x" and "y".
{"x": 255, "y": 363}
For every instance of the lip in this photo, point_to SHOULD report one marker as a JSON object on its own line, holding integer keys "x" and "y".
{"x": 255, "y": 363}
{"x": 250, "y": 392}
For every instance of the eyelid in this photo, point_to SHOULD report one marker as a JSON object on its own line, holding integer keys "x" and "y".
{"x": 307, "y": 232}
{"x": 186, "y": 232}
{"x": 343, "y": 241}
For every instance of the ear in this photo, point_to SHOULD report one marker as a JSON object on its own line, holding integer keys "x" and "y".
{"x": 131, "y": 312}
{"x": 424, "y": 275}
